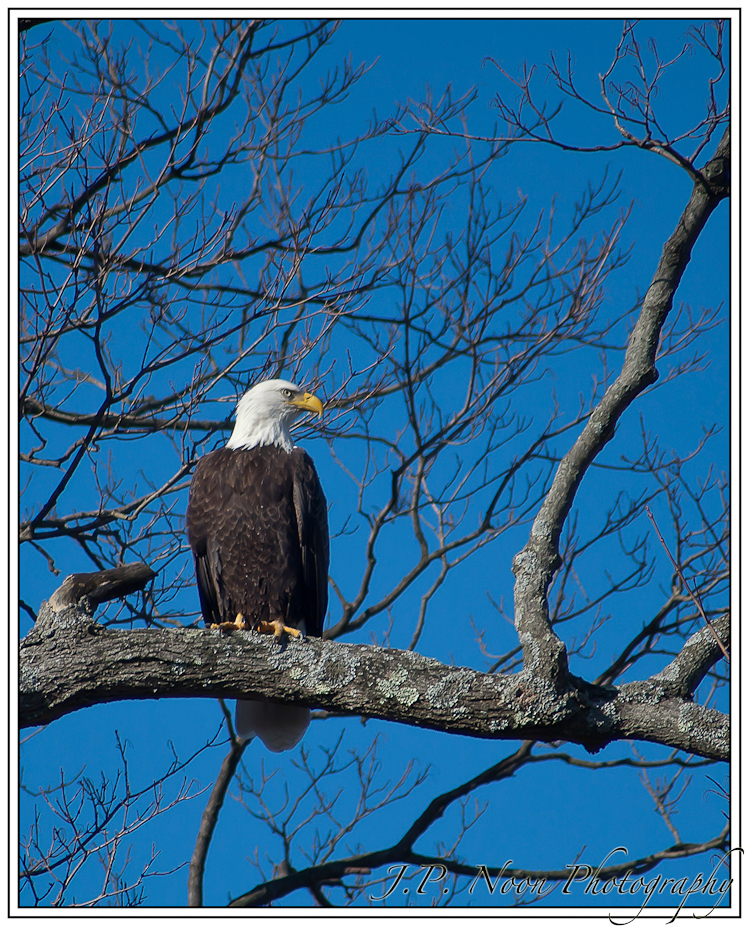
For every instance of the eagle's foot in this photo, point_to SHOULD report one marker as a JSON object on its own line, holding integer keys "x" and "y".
{"x": 237, "y": 624}
{"x": 279, "y": 630}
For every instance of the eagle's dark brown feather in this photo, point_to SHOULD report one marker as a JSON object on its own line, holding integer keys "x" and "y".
{"x": 258, "y": 528}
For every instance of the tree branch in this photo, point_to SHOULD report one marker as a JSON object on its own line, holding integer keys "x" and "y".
{"x": 68, "y": 662}
{"x": 99, "y": 587}
{"x": 210, "y": 818}
{"x": 265, "y": 893}
{"x": 535, "y": 565}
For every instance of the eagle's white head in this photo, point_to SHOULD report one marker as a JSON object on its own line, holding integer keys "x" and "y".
{"x": 266, "y": 412}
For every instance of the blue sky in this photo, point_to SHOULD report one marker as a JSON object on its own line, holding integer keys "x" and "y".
{"x": 551, "y": 812}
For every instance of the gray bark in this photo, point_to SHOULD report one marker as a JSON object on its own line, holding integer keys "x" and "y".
{"x": 68, "y": 662}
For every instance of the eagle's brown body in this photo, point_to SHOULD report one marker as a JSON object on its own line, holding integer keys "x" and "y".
{"x": 257, "y": 526}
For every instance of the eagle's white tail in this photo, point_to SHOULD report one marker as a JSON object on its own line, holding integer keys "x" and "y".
{"x": 279, "y": 726}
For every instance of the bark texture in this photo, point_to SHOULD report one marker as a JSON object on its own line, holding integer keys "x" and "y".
{"x": 68, "y": 662}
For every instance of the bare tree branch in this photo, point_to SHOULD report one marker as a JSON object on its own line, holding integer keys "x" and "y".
{"x": 68, "y": 662}
{"x": 210, "y": 818}
{"x": 535, "y": 565}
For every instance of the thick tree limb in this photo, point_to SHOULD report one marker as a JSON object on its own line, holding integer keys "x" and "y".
{"x": 535, "y": 565}
{"x": 68, "y": 661}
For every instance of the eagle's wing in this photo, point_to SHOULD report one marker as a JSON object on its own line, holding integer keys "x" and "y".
{"x": 312, "y": 521}
{"x": 207, "y": 559}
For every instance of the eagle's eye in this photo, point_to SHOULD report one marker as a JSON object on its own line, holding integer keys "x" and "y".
{"x": 287, "y": 393}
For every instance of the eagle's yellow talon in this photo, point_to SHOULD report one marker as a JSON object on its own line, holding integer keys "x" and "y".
{"x": 278, "y": 629}
{"x": 237, "y": 624}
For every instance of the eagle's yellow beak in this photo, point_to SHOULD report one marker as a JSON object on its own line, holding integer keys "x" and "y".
{"x": 309, "y": 403}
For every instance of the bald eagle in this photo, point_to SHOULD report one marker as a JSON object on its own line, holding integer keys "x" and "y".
{"x": 257, "y": 523}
